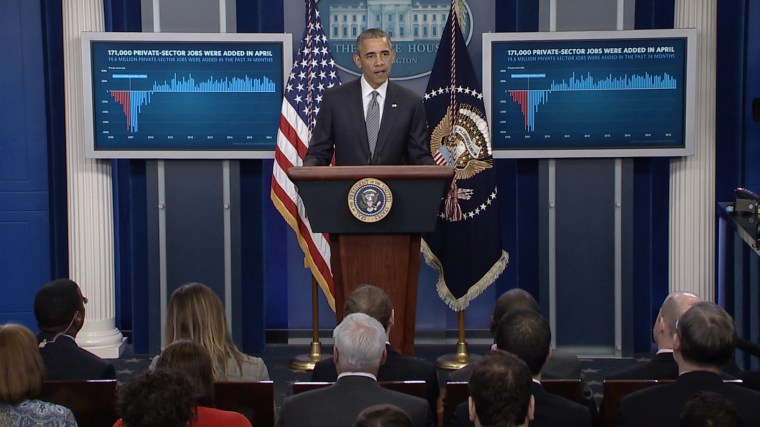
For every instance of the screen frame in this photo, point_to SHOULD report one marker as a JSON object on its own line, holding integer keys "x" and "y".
{"x": 689, "y": 34}
{"x": 87, "y": 38}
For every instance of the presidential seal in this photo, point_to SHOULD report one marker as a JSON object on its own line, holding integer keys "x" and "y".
{"x": 370, "y": 200}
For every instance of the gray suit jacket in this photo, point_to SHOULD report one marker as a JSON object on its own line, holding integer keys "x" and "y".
{"x": 341, "y": 129}
{"x": 339, "y": 404}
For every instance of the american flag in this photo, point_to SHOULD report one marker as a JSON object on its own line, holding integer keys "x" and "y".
{"x": 314, "y": 72}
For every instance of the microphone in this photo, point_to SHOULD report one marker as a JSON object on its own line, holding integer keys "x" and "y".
{"x": 55, "y": 337}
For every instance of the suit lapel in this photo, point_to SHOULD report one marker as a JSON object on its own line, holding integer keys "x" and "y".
{"x": 389, "y": 116}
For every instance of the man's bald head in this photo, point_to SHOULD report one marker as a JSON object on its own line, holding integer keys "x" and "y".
{"x": 511, "y": 300}
{"x": 674, "y": 306}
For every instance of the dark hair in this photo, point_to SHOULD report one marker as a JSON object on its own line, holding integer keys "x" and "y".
{"x": 525, "y": 333}
{"x": 708, "y": 409}
{"x": 55, "y": 304}
{"x": 500, "y": 388}
{"x": 511, "y": 300}
{"x": 707, "y": 334}
{"x": 157, "y": 398}
{"x": 371, "y": 33}
{"x": 371, "y": 301}
{"x": 193, "y": 361}
{"x": 383, "y": 416}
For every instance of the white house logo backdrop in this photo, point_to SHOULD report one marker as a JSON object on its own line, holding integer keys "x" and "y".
{"x": 415, "y": 27}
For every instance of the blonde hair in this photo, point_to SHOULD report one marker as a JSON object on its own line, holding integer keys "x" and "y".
{"x": 20, "y": 364}
{"x": 196, "y": 313}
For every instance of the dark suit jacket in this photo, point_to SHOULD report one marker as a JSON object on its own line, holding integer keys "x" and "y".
{"x": 661, "y": 405}
{"x": 561, "y": 365}
{"x": 65, "y": 360}
{"x": 339, "y": 404}
{"x": 397, "y": 367}
{"x": 550, "y": 410}
{"x": 661, "y": 367}
{"x": 341, "y": 129}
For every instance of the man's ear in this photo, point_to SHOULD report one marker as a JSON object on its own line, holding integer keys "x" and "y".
{"x": 471, "y": 408}
{"x": 336, "y": 356}
{"x": 357, "y": 60}
{"x": 384, "y": 357}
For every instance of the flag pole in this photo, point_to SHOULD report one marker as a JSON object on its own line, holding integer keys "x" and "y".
{"x": 306, "y": 362}
{"x": 462, "y": 357}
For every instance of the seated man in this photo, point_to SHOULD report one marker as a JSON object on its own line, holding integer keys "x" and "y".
{"x": 500, "y": 391}
{"x": 704, "y": 342}
{"x": 374, "y": 302}
{"x": 662, "y": 365}
{"x": 526, "y": 334}
{"x": 358, "y": 352}
{"x": 561, "y": 365}
{"x": 59, "y": 309}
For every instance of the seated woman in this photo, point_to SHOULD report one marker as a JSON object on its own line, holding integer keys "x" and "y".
{"x": 193, "y": 362}
{"x": 22, "y": 375}
{"x": 196, "y": 313}
{"x": 383, "y": 416}
{"x": 156, "y": 398}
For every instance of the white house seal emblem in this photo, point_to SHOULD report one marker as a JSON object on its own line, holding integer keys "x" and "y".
{"x": 370, "y": 200}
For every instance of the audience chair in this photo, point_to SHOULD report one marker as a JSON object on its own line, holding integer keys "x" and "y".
{"x": 613, "y": 393}
{"x": 414, "y": 388}
{"x": 255, "y": 400}
{"x": 571, "y": 389}
{"x": 456, "y": 393}
{"x": 92, "y": 402}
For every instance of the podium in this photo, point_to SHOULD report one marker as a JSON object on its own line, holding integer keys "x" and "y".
{"x": 382, "y": 252}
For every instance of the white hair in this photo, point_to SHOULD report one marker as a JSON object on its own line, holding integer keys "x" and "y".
{"x": 360, "y": 340}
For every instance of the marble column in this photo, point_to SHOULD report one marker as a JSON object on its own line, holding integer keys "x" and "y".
{"x": 692, "y": 179}
{"x": 90, "y": 203}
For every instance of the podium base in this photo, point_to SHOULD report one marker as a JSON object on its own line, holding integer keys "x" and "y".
{"x": 458, "y": 360}
{"x": 306, "y": 362}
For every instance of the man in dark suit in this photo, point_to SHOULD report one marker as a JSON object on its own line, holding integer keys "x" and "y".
{"x": 705, "y": 336}
{"x": 374, "y": 302}
{"x": 526, "y": 334}
{"x": 662, "y": 365}
{"x": 59, "y": 309}
{"x": 561, "y": 365}
{"x": 341, "y": 127}
{"x": 358, "y": 352}
{"x": 500, "y": 391}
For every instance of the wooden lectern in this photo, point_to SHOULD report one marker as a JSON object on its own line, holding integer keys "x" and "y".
{"x": 385, "y": 253}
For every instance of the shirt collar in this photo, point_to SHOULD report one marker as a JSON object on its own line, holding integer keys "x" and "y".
{"x": 357, "y": 374}
{"x": 367, "y": 89}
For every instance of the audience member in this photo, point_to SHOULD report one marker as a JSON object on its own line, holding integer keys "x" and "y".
{"x": 500, "y": 391}
{"x": 196, "y": 313}
{"x": 358, "y": 352}
{"x": 59, "y": 309}
{"x": 156, "y": 398}
{"x": 526, "y": 334}
{"x": 662, "y": 365}
{"x": 21, "y": 380}
{"x": 383, "y": 416}
{"x": 374, "y": 302}
{"x": 561, "y": 365}
{"x": 707, "y": 409}
{"x": 193, "y": 361}
{"x": 705, "y": 336}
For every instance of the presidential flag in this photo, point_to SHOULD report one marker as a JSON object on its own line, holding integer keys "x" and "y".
{"x": 465, "y": 248}
{"x": 314, "y": 72}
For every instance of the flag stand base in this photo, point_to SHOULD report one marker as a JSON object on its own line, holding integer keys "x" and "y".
{"x": 458, "y": 360}
{"x": 306, "y": 362}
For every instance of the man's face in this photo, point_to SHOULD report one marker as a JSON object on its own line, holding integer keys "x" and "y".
{"x": 375, "y": 58}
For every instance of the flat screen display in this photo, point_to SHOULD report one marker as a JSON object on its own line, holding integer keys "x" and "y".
{"x": 179, "y": 95}
{"x": 590, "y": 94}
